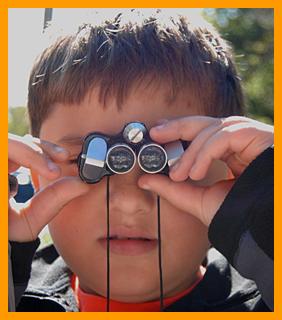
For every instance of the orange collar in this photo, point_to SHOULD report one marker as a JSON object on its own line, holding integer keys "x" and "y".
{"x": 95, "y": 303}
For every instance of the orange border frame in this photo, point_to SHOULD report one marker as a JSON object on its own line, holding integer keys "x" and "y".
{"x": 4, "y": 6}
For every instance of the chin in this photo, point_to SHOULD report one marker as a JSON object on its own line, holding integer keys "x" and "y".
{"x": 129, "y": 295}
{"x": 130, "y": 289}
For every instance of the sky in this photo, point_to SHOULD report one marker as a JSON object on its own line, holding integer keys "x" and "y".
{"x": 26, "y": 39}
{"x": 25, "y": 28}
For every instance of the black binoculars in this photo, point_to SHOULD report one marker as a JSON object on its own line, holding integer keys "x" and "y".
{"x": 104, "y": 155}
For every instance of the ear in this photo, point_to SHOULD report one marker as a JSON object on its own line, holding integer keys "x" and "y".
{"x": 35, "y": 180}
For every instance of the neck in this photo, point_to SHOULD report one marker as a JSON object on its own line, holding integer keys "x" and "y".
{"x": 152, "y": 296}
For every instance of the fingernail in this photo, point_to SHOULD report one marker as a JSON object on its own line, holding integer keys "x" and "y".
{"x": 52, "y": 166}
{"x": 60, "y": 149}
{"x": 145, "y": 187}
{"x": 175, "y": 166}
{"x": 162, "y": 121}
{"x": 192, "y": 171}
{"x": 160, "y": 127}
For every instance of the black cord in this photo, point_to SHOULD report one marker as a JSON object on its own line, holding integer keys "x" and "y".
{"x": 160, "y": 256}
{"x": 108, "y": 243}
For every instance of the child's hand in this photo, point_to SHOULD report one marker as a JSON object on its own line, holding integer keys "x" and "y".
{"x": 41, "y": 157}
{"x": 235, "y": 140}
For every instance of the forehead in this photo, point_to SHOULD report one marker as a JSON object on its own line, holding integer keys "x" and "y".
{"x": 68, "y": 123}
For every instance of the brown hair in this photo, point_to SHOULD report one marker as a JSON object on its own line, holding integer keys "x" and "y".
{"x": 115, "y": 55}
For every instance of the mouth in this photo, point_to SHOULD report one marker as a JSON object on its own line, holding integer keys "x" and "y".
{"x": 128, "y": 238}
{"x": 129, "y": 245}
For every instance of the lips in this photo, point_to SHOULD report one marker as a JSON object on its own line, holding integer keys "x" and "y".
{"x": 128, "y": 238}
{"x": 129, "y": 242}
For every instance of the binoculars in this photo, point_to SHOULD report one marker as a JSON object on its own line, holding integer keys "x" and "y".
{"x": 104, "y": 155}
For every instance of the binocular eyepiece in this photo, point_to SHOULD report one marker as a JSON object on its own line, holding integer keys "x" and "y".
{"x": 104, "y": 155}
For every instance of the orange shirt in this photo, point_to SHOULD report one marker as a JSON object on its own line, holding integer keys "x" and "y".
{"x": 95, "y": 303}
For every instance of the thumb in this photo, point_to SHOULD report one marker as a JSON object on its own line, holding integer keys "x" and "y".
{"x": 201, "y": 202}
{"x": 44, "y": 206}
{"x": 183, "y": 195}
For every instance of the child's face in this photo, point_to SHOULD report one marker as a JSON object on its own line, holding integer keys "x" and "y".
{"x": 79, "y": 230}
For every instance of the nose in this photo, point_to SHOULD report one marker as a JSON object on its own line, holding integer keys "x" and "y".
{"x": 127, "y": 198}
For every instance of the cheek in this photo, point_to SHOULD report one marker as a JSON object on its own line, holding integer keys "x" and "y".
{"x": 185, "y": 239}
{"x": 67, "y": 226}
{"x": 75, "y": 231}
{"x": 80, "y": 221}
{"x": 183, "y": 227}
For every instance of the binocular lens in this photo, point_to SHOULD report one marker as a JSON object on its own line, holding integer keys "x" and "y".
{"x": 152, "y": 158}
{"x": 121, "y": 159}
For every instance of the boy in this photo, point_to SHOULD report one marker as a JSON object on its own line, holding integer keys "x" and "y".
{"x": 178, "y": 75}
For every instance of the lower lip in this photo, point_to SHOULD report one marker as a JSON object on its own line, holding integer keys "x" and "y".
{"x": 129, "y": 247}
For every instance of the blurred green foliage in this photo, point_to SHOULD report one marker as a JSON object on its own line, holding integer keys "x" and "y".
{"x": 18, "y": 122}
{"x": 250, "y": 31}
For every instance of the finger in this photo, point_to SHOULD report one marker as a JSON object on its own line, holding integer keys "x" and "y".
{"x": 182, "y": 195}
{"x": 185, "y": 128}
{"x": 161, "y": 121}
{"x": 55, "y": 152}
{"x": 30, "y": 156}
{"x": 12, "y": 167}
{"x": 202, "y": 203}
{"x": 44, "y": 207}
{"x": 180, "y": 171}
{"x": 213, "y": 198}
{"x": 229, "y": 140}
